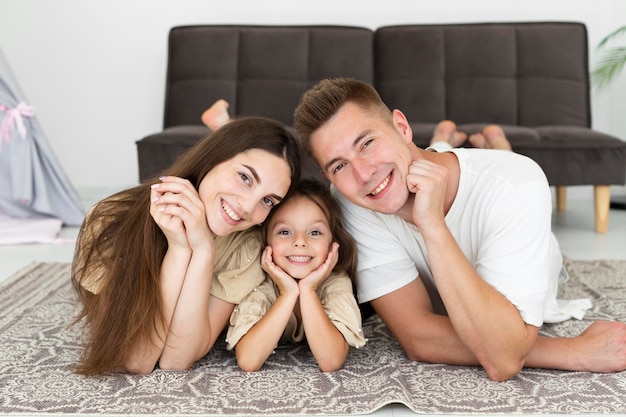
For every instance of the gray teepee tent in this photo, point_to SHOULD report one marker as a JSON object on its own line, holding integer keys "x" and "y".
{"x": 31, "y": 180}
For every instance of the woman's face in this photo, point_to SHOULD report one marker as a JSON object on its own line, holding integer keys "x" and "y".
{"x": 240, "y": 192}
{"x": 300, "y": 237}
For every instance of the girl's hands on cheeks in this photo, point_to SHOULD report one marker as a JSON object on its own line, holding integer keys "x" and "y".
{"x": 427, "y": 181}
{"x": 316, "y": 277}
{"x": 285, "y": 282}
{"x": 177, "y": 209}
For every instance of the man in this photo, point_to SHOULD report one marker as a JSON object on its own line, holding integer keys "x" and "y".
{"x": 456, "y": 253}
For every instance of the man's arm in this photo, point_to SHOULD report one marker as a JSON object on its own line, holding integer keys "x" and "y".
{"x": 487, "y": 323}
{"x": 429, "y": 337}
{"x": 426, "y": 336}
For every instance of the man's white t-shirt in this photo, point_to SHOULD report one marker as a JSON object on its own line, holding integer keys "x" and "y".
{"x": 501, "y": 220}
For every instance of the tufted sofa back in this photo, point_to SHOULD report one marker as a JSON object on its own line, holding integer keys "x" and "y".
{"x": 259, "y": 70}
{"x": 522, "y": 74}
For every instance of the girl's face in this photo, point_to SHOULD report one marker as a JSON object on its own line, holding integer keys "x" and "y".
{"x": 300, "y": 237}
{"x": 240, "y": 192}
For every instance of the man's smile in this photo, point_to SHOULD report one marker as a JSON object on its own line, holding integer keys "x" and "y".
{"x": 381, "y": 186}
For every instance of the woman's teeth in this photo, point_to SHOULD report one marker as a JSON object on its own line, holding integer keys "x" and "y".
{"x": 230, "y": 213}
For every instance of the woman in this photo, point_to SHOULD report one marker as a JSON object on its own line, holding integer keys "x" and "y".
{"x": 159, "y": 267}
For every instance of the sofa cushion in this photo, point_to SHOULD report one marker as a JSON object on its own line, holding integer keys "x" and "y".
{"x": 158, "y": 151}
{"x": 519, "y": 136}
{"x": 569, "y": 155}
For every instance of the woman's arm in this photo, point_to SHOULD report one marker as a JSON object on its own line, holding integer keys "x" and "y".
{"x": 192, "y": 319}
{"x": 173, "y": 270}
{"x": 197, "y": 319}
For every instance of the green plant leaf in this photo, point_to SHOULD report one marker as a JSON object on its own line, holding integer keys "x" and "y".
{"x": 611, "y": 36}
{"x": 608, "y": 67}
{"x": 611, "y": 60}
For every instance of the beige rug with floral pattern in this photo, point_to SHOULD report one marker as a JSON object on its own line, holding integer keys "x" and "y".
{"x": 37, "y": 348}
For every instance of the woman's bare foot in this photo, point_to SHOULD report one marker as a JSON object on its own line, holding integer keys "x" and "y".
{"x": 216, "y": 116}
{"x": 492, "y": 137}
{"x": 446, "y": 132}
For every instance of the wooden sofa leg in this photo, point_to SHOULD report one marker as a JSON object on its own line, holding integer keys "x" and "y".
{"x": 602, "y": 198}
{"x": 561, "y": 198}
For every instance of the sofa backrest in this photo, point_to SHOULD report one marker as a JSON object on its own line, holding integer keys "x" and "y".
{"x": 526, "y": 74}
{"x": 259, "y": 70}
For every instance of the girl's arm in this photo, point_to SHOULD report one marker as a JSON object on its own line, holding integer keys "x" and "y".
{"x": 259, "y": 342}
{"x": 327, "y": 343}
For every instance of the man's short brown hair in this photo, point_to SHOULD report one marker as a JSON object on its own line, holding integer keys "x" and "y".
{"x": 323, "y": 100}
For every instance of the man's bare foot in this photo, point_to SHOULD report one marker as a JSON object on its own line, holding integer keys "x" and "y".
{"x": 492, "y": 137}
{"x": 216, "y": 116}
{"x": 446, "y": 132}
{"x": 601, "y": 347}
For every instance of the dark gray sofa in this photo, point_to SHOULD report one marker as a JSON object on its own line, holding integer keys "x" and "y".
{"x": 531, "y": 78}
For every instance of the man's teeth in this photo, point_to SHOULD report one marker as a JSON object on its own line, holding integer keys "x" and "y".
{"x": 230, "y": 213}
{"x": 299, "y": 258}
{"x": 382, "y": 186}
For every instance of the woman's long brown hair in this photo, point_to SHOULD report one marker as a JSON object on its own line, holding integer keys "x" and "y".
{"x": 120, "y": 248}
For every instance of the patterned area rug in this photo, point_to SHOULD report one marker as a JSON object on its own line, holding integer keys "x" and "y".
{"x": 37, "y": 348}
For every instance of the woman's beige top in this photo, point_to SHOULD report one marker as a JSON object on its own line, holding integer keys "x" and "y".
{"x": 337, "y": 299}
{"x": 236, "y": 272}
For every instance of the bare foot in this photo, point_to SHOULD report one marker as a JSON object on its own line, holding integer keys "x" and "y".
{"x": 446, "y": 132}
{"x": 492, "y": 137}
{"x": 216, "y": 116}
{"x": 601, "y": 347}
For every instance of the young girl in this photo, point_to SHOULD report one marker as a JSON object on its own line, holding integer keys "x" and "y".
{"x": 159, "y": 267}
{"x": 308, "y": 293}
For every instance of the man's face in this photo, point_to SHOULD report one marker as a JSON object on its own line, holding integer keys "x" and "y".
{"x": 366, "y": 157}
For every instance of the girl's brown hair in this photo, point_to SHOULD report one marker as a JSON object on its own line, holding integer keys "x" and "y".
{"x": 120, "y": 248}
{"x": 319, "y": 193}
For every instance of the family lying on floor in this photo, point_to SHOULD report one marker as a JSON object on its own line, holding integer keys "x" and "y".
{"x": 452, "y": 247}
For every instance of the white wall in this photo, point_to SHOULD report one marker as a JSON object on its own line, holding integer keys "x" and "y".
{"x": 95, "y": 70}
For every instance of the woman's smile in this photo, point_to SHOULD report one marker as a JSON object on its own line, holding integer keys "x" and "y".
{"x": 230, "y": 213}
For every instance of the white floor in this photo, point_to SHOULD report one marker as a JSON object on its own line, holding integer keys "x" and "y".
{"x": 573, "y": 228}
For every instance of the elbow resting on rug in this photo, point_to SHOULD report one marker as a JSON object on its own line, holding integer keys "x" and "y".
{"x": 136, "y": 367}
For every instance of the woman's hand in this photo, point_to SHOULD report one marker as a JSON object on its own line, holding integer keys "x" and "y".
{"x": 177, "y": 209}
{"x": 313, "y": 280}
